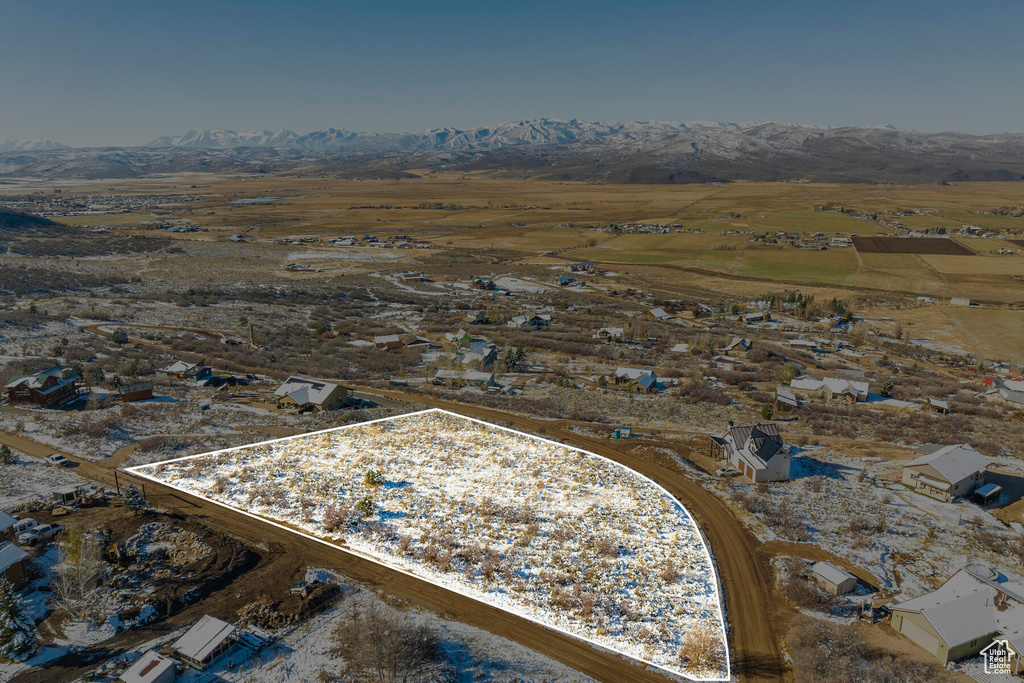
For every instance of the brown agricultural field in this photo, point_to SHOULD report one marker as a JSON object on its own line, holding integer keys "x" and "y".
{"x": 910, "y": 245}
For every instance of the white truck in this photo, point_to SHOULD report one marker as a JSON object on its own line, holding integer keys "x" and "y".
{"x": 57, "y": 460}
{"x": 39, "y": 533}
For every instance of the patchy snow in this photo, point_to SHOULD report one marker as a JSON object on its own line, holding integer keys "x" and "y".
{"x": 554, "y": 534}
{"x": 30, "y": 479}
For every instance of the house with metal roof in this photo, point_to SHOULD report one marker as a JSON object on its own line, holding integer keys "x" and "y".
{"x": 832, "y": 388}
{"x": 660, "y": 314}
{"x": 946, "y": 472}
{"x": 302, "y": 394}
{"x": 832, "y": 579}
{"x": 757, "y": 452}
{"x": 12, "y": 563}
{"x": 965, "y": 615}
{"x": 151, "y": 667}
{"x": 388, "y": 341}
{"x": 50, "y": 388}
{"x": 205, "y": 643}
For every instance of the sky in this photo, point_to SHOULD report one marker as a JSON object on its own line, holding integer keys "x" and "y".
{"x": 123, "y": 73}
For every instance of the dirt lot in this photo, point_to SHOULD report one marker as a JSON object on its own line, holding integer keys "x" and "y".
{"x": 910, "y": 245}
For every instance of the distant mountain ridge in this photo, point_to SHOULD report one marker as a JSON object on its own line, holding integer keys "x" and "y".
{"x": 637, "y": 152}
{"x": 30, "y": 145}
{"x": 507, "y": 134}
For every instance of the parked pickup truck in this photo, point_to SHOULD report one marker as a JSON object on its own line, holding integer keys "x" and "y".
{"x": 57, "y": 460}
{"x": 39, "y": 533}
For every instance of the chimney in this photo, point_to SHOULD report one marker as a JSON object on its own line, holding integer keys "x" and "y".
{"x": 731, "y": 424}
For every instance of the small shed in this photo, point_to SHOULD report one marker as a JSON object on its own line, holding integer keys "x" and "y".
{"x": 12, "y": 563}
{"x": 136, "y": 391}
{"x": 67, "y": 495}
{"x": 832, "y": 579}
{"x": 151, "y": 667}
{"x": 989, "y": 493}
{"x": 205, "y": 642}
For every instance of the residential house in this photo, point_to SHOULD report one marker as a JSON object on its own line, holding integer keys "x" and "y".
{"x": 478, "y": 352}
{"x": 420, "y": 342}
{"x": 832, "y": 388}
{"x": 302, "y": 394}
{"x": 738, "y": 347}
{"x": 757, "y": 452}
{"x": 151, "y": 667}
{"x": 50, "y": 388}
{"x": 181, "y": 367}
{"x": 529, "y": 321}
{"x": 681, "y": 347}
{"x": 1004, "y": 395}
{"x": 566, "y": 280}
{"x": 832, "y": 579}
{"x": 200, "y": 375}
{"x": 12, "y": 563}
{"x": 610, "y": 333}
{"x": 962, "y": 618}
{"x": 136, "y": 391}
{"x": 946, "y": 472}
{"x": 624, "y": 375}
{"x": 660, "y": 314}
{"x": 388, "y": 341}
{"x": 477, "y": 318}
{"x": 465, "y": 377}
{"x": 937, "y": 406}
{"x": 757, "y": 317}
{"x": 204, "y": 643}
{"x": 647, "y": 384}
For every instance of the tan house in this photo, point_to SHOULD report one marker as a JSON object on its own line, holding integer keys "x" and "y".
{"x": 965, "y": 615}
{"x": 304, "y": 395}
{"x": 946, "y": 472}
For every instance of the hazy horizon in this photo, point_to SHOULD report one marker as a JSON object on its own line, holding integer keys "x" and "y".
{"x": 124, "y": 74}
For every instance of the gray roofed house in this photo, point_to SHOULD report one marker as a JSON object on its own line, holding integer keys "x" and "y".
{"x": 946, "y": 473}
{"x": 757, "y": 452}
{"x": 303, "y": 394}
{"x": 388, "y": 341}
{"x": 963, "y": 616}
{"x": 660, "y": 314}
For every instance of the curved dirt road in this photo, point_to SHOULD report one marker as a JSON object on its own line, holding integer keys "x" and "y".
{"x": 745, "y": 576}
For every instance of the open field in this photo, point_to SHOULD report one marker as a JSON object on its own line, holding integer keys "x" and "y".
{"x": 593, "y": 534}
{"x": 910, "y": 245}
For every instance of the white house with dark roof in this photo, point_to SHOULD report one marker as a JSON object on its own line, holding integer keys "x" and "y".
{"x": 946, "y": 472}
{"x": 757, "y": 452}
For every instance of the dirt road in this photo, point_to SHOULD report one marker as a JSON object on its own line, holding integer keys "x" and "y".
{"x": 745, "y": 575}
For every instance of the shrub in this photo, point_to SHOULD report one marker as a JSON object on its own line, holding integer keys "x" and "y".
{"x": 701, "y": 650}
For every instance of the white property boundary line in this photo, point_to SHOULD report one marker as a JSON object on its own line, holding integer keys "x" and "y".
{"x": 707, "y": 553}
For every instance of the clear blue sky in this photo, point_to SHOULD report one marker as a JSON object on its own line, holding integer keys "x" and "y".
{"x": 113, "y": 73}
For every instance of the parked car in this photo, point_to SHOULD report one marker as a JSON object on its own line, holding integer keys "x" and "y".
{"x": 57, "y": 460}
{"x": 23, "y": 525}
{"x": 726, "y": 472}
{"x": 39, "y": 533}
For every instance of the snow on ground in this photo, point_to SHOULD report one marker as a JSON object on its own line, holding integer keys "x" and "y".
{"x": 540, "y": 529}
{"x": 29, "y": 479}
{"x": 881, "y": 526}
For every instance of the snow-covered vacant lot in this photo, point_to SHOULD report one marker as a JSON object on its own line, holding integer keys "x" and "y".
{"x": 555, "y": 534}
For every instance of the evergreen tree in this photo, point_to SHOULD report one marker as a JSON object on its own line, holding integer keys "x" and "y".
{"x": 6, "y": 456}
{"x": 17, "y": 632}
{"x": 133, "y": 500}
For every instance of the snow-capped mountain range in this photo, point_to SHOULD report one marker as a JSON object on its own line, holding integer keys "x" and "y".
{"x": 637, "y": 152}
{"x": 30, "y": 145}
